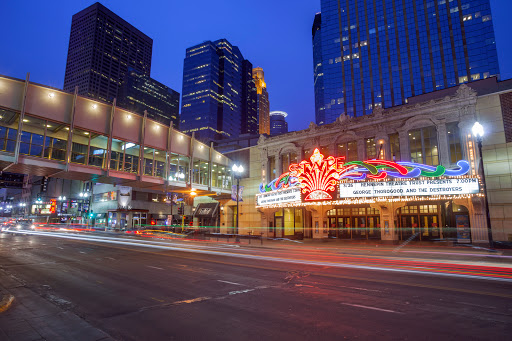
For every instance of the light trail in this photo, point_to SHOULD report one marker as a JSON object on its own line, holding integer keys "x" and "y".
{"x": 455, "y": 270}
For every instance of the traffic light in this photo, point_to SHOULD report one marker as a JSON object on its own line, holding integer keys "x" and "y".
{"x": 180, "y": 210}
{"x": 91, "y": 214}
{"x": 44, "y": 184}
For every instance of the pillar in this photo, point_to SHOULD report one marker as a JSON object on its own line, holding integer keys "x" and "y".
{"x": 320, "y": 228}
{"x": 442, "y": 144}
{"x": 405, "y": 154}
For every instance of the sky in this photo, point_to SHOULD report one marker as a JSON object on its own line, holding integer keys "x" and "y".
{"x": 272, "y": 34}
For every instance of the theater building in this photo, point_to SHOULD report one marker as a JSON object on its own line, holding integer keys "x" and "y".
{"x": 410, "y": 172}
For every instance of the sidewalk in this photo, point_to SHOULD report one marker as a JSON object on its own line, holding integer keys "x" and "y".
{"x": 32, "y": 317}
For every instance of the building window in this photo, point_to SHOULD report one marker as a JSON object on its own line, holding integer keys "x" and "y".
{"x": 272, "y": 168}
{"x": 394, "y": 147}
{"x": 178, "y": 167}
{"x": 423, "y": 146}
{"x": 286, "y": 160}
{"x": 370, "y": 148}
{"x": 452, "y": 129}
{"x": 348, "y": 150}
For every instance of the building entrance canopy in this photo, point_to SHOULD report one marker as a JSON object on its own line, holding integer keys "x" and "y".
{"x": 333, "y": 181}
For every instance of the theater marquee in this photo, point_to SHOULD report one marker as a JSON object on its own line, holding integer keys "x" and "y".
{"x": 409, "y": 188}
{"x": 329, "y": 179}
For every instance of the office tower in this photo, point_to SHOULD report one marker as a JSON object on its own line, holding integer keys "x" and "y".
{"x": 102, "y": 47}
{"x": 262, "y": 100}
{"x": 249, "y": 101}
{"x": 278, "y": 124}
{"x": 213, "y": 93}
{"x": 317, "y": 69}
{"x": 140, "y": 93}
{"x": 381, "y": 52}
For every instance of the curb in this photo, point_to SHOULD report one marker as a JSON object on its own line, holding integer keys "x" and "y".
{"x": 6, "y": 303}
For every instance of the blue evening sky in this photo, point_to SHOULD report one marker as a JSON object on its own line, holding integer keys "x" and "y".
{"x": 272, "y": 34}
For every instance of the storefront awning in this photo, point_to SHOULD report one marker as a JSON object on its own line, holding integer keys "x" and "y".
{"x": 206, "y": 210}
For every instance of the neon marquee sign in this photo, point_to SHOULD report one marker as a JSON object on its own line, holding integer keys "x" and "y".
{"x": 318, "y": 177}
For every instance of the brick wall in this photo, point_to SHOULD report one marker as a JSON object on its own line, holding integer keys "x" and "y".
{"x": 506, "y": 108}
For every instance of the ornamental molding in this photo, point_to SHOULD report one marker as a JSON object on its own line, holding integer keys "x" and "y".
{"x": 346, "y": 136}
{"x": 289, "y": 147}
{"x": 262, "y": 139}
{"x": 420, "y": 121}
{"x": 343, "y": 119}
{"x": 465, "y": 91}
{"x": 378, "y": 112}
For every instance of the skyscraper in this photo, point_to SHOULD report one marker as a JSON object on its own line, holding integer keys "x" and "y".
{"x": 278, "y": 124}
{"x": 140, "y": 93}
{"x": 249, "y": 101}
{"x": 380, "y": 52}
{"x": 262, "y": 100}
{"x": 101, "y": 48}
{"x": 214, "y": 92}
{"x": 317, "y": 68}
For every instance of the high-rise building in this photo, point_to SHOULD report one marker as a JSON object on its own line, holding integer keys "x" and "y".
{"x": 140, "y": 93}
{"x": 317, "y": 68}
{"x": 101, "y": 48}
{"x": 249, "y": 101}
{"x": 262, "y": 101}
{"x": 214, "y": 92}
{"x": 381, "y": 52}
{"x": 278, "y": 124}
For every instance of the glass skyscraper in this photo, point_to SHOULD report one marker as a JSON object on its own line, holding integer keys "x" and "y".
{"x": 381, "y": 52}
{"x": 140, "y": 93}
{"x": 212, "y": 97}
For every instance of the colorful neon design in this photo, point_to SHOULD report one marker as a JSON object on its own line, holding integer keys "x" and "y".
{"x": 282, "y": 182}
{"x": 321, "y": 174}
{"x": 318, "y": 178}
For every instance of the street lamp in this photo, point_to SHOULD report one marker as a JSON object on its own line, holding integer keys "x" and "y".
{"x": 237, "y": 171}
{"x": 478, "y": 131}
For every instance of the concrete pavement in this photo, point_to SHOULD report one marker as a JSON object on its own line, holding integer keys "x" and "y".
{"x": 32, "y": 317}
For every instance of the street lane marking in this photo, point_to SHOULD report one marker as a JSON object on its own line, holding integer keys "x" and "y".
{"x": 82, "y": 252}
{"x": 372, "y": 308}
{"x": 240, "y": 291}
{"x": 199, "y": 299}
{"x": 60, "y": 247}
{"x": 219, "y": 280}
{"x": 110, "y": 258}
{"x": 477, "y": 305}
{"x": 156, "y": 299}
{"x": 154, "y": 267}
{"x": 361, "y": 289}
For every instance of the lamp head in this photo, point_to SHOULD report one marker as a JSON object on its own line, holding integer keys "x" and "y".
{"x": 478, "y": 130}
{"x": 238, "y": 169}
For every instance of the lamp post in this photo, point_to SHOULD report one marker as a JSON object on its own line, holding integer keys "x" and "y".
{"x": 237, "y": 171}
{"x": 478, "y": 131}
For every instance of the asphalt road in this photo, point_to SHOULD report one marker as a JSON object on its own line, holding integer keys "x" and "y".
{"x": 221, "y": 292}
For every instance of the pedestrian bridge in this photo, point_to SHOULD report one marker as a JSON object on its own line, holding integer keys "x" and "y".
{"x": 48, "y": 132}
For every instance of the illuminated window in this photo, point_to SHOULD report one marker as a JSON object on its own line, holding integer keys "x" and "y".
{"x": 348, "y": 150}
{"x": 423, "y": 146}
{"x": 394, "y": 146}
{"x": 370, "y": 148}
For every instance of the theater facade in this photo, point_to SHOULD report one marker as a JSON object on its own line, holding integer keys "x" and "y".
{"x": 406, "y": 173}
